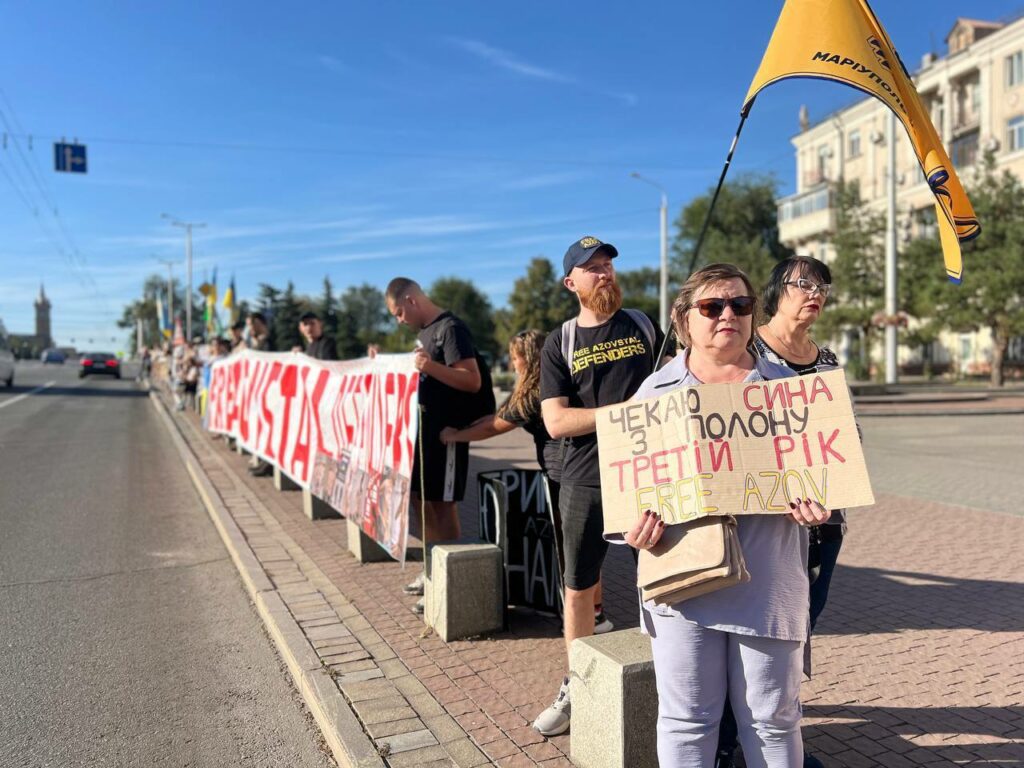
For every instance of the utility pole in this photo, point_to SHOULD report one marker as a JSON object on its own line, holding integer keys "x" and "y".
{"x": 663, "y": 283}
{"x": 891, "y": 373}
{"x": 170, "y": 294}
{"x": 187, "y": 226}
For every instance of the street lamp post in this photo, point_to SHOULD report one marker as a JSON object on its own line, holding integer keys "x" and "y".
{"x": 663, "y": 284}
{"x": 891, "y": 273}
{"x": 187, "y": 226}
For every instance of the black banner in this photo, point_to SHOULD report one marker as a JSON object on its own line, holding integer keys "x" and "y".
{"x": 514, "y": 514}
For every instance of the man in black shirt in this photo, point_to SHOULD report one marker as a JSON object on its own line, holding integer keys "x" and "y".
{"x": 449, "y": 380}
{"x": 318, "y": 344}
{"x": 596, "y": 359}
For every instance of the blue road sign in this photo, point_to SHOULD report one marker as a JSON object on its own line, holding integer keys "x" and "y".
{"x": 69, "y": 158}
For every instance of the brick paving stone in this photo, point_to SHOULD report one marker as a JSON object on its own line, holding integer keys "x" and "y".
{"x": 404, "y": 742}
{"x": 500, "y": 748}
{"x": 520, "y": 760}
{"x": 542, "y": 751}
{"x": 465, "y": 754}
{"x": 524, "y": 736}
{"x": 393, "y": 727}
{"x": 417, "y": 758}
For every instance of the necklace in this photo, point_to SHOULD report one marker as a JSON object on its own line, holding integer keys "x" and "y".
{"x": 810, "y": 349}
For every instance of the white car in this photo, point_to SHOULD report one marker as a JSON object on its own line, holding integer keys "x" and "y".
{"x": 6, "y": 358}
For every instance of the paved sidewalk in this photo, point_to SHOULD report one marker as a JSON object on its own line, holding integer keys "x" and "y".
{"x": 917, "y": 658}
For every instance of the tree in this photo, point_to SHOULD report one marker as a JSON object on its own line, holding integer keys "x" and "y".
{"x": 269, "y": 297}
{"x": 640, "y": 290}
{"x": 538, "y": 301}
{"x": 145, "y": 309}
{"x": 858, "y": 274}
{"x": 286, "y": 319}
{"x": 363, "y": 319}
{"x": 327, "y": 309}
{"x": 992, "y": 293}
{"x": 466, "y": 302}
{"x": 744, "y": 230}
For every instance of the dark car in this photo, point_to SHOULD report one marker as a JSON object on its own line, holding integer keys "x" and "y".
{"x": 53, "y": 356}
{"x": 99, "y": 362}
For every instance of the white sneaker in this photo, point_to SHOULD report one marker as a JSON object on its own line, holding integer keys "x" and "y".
{"x": 602, "y": 624}
{"x": 555, "y": 719}
{"x": 416, "y": 588}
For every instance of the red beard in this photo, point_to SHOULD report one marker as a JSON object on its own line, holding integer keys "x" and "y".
{"x": 605, "y": 299}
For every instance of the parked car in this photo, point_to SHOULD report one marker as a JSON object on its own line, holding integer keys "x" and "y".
{"x": 53, "y": 356}
{"x": 99, "y": 362}
{"x": 6, "y": 358}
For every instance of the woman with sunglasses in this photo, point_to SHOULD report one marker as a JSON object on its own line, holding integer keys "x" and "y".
{"x": 745, "y": 641}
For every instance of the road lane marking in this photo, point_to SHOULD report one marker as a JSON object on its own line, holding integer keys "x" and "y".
{"x": 22, "y": 396}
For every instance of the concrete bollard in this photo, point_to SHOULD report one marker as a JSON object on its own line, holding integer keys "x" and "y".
{"x": 363, "y": 548}
{"x": 463, "y": 590}
{"x": 614, "y": 701}
{"x": 284, "y": 483}
{"x": 316, "y": 508}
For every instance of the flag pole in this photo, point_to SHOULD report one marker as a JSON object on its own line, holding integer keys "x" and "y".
{"x": 707, "y": 218}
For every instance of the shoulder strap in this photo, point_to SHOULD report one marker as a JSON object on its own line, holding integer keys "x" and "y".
{"x": 646, "y": 326}
{"x": 568, "y": 341}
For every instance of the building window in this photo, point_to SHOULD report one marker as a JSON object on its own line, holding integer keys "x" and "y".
{"x": 854, "y": 144}
{"x": 964, "y": 150}
{"x": 1015, "y": 133}
{"x": 1015, "y": 69}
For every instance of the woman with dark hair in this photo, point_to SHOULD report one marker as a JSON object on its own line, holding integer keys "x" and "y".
{"x": 794, "y": 298}
{"x": 744, "y": 641}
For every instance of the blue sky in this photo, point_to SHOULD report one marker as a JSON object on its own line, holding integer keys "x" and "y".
{"x": 366, "y": 140}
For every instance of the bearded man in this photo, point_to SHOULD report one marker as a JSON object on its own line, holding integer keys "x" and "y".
{"x": 598, "y": 358}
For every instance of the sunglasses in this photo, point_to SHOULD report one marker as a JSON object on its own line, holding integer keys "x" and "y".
{"x": 741, "y": 306}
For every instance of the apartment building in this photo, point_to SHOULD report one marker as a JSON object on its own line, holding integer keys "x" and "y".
{"x": 975, "y": 95}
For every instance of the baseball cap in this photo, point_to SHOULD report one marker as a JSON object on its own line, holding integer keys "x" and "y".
{"x": 582, "y": 250}
{"x": 309, "y": 316}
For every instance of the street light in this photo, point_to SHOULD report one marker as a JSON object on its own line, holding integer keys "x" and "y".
{"x": 187, "y": 226}
{"x": 663, "y": 285}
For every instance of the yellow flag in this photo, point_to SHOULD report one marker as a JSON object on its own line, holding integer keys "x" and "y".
{"x": 843, "y": 41}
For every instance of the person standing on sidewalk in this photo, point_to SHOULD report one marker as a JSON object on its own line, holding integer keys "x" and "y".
{"x": 450, "y": 384}
{"x": 318, "y": 344}
{"x": 522, "y": 409}
{"x": 596, "y": 359}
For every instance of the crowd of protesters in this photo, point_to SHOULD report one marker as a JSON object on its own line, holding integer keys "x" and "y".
{"x": 728, "y": 663}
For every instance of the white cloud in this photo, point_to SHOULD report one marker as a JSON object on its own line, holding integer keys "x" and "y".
{"x": 510, "y": 63}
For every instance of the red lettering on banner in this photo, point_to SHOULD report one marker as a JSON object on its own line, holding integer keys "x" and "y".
{"x": 300, "y": 453}
{"x": 234, "y": 382}
{"x": 289, "y": 387}
{"x": 318, "y": 393}
{"x": 746, "y": 398}
{"x": 268, "y": 417}
{"x": 778, "y": 442}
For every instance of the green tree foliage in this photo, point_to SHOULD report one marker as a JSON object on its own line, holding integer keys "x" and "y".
{"x": 744, "y": 230}
{"x": 992, "y": 293}
{"x": 286, "y": 319}
{"x": 538, "y": 301}
{"x": 465, "y": 301}
{"x": 145, "y": 309}
{"x": 640, "y": 290}
{"x": 363, "y": 319}
{"x": 858, "y": 274}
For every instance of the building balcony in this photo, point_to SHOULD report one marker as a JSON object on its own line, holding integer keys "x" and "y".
{"x": 966, "y": 123}
{"x": 807, "y": 215}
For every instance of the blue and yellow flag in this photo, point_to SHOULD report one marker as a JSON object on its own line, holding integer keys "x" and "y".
{"x": 843, "y": 41}
{"x": 229, "y": 301}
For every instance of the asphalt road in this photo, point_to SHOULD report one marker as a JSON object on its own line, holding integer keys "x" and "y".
{"x": 126, "y": 638}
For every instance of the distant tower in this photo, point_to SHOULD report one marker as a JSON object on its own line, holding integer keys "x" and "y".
{"x": 43, "y": 319}
{"x": 805, "y": 119}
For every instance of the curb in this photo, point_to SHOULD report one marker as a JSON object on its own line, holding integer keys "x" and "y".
{"x": 349, "y": 744}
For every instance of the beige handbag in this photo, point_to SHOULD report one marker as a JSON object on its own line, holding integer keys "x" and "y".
{"x": 692, "y": 559}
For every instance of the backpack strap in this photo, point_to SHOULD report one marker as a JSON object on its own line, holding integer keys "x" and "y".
{"x": 568, "y": 341}
{"x": 647, "y": 327}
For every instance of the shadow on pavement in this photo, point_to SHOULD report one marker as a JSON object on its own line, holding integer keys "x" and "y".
{"x": 980, "y": 735}
{"x": 89, "y": 391}
{"x": 894, "y": 600}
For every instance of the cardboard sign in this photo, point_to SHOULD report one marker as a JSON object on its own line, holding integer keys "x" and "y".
{"x": 731, "y": 449}
{"x": 351, "y": 426}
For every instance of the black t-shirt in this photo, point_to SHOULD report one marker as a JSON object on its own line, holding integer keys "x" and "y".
{"x": 446, "y": 340}
{"x": 548, "y": 449}
{"x": 609, "y": 364}
{"x": 323, "y": 348}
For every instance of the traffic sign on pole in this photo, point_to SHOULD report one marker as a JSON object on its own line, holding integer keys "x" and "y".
{"x": 69, "y": 158}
